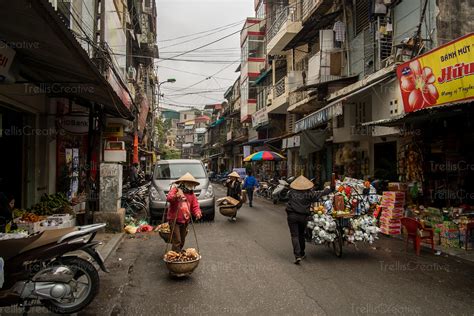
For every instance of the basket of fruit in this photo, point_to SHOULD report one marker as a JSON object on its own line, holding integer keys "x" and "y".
{"x": 182, "y": 263}
{"x": 164, "y": 231}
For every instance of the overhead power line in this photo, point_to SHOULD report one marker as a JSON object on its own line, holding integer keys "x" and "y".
{"x": 198, "y": 33}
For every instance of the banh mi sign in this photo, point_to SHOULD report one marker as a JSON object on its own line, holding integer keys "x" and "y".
{"x": 441, "y": 76}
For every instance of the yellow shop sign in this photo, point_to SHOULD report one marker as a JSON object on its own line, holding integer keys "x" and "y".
{"x": 441, "y": 76}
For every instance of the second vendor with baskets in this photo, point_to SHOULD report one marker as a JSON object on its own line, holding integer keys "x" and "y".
{"x": 182, "y": 205}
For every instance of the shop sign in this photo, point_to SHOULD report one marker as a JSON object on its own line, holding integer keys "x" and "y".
{"x": 260, "y": 117}
{"x": 246, "y": 151}
{"x": 113, "y": 130}
{"x": 291, "y": 142}
{"x": 441, "y": 76}
{"x": 75, "y": 123}
{"x": 6, "y": 58}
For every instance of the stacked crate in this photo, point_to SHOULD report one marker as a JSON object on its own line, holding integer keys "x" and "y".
{"x": 392, "y": 211}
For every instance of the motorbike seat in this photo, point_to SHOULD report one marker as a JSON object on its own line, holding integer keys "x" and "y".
{"x": 12, "y": 247}
{"x": 48, "y": 237}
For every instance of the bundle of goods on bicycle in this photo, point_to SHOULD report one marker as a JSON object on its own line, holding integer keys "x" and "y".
{"x": 363, "y": 228}
{"x": 323, "y": 227}
{"x": 187, "y": 255}
{"x": 352, "y": 196}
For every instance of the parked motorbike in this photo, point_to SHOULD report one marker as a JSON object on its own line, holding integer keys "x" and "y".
{"x": 134, "y": 201}
{"x": 280, "y": 193}
{"x": 42, "y": 268}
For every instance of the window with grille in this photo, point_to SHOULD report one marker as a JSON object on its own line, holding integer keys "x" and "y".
{"x": 362, "y": 15}
{"x": 360, "y": 116}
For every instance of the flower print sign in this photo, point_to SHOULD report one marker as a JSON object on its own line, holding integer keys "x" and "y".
{"x": 441, "y": 76}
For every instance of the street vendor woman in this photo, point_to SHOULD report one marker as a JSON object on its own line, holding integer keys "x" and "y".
{"x": 182, "y": 205}
{"x": 234, "y": 190}
{"x": 298, "y": 209}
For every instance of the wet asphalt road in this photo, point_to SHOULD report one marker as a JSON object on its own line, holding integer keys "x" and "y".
{"x": 247, "y": 269}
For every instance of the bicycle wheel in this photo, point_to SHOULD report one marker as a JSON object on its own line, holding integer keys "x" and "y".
{"x": 337, "y": 244}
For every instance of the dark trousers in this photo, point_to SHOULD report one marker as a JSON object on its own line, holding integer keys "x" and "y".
{"x": 250, "y": 195}
{"x": 179, "y": 236}
{"x": 297, "y": 224}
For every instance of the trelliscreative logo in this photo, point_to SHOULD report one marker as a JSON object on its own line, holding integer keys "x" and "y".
{"x": 57, "y": 88}
{"x": 28, "y": 130}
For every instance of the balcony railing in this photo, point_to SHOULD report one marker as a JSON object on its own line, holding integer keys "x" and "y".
{"x": 290, "y": 13}
{"x": 280, "y": 87}
{"x": 309, "y": 6}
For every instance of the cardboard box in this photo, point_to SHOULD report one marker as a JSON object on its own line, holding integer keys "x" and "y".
{"x": 397, "y": 186}
{"x": 394, "y": 195}
{"x": 386, "y": 231}
{"x": 30, "y": 227}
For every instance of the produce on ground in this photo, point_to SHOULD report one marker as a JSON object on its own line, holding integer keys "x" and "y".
{"x": 189, "y": 254}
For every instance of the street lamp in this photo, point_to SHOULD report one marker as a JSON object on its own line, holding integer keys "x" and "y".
{"x": 169, "y": 80}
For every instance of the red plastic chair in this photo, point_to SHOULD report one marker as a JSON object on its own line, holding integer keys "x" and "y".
{"x": 415, "y": 232}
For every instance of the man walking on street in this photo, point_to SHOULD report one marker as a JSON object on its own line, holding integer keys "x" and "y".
{"x": 298, "y": 209}
{"x": 250, "y": 184}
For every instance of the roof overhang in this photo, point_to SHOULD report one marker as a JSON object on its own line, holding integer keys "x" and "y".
{"x": 54, "y": 58}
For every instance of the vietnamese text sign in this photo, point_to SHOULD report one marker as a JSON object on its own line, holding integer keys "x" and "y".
{"x": 441, "y": 76}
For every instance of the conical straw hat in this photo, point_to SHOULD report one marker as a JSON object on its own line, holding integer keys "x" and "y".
{"x": 187, "y": 178}
{"x": 301, "y": 183}
{"x": 234, "y": 174}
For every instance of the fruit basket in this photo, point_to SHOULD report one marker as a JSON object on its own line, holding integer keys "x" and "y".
{"x": 164, "y": 231}
{"x": 183, "y": 263}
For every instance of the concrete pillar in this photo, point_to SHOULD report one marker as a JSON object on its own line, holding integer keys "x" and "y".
{"x": 110, "y": 211}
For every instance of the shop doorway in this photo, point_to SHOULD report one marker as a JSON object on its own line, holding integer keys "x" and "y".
{"x": 385, "y": 161}
{"x": 11, "y": 161}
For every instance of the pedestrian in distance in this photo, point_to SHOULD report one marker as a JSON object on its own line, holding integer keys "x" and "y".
{"x": 250, "y": 184}
{"x": 234, "y": 190}
{"x": 182, "y": 205}
{"x": 298, "y": 209}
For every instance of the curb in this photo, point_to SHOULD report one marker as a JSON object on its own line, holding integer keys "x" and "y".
{"x": 443, "y": 253}
{"x": 110, "y": 246}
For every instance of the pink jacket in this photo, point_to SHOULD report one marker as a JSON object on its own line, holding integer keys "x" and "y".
{"x": 174, "y": 204}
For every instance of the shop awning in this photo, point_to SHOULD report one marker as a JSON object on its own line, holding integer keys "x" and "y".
{"x": 263, "y": 75}
{"x": 333, "y": 109}
{"x": 443, "y": 111}
{"x": 55, "y": 61}
{"x": 319, "y": 117}
{"x": 218, "y": 122}
{"x": 364, "y": 84}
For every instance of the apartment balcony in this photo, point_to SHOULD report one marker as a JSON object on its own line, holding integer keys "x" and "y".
{"x": 279, "y": 103}
{"x": 309, "y": 7}
{"x": 284, "y": 29}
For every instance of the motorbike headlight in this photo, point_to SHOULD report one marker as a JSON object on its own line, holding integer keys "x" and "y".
{"x": 210, "y": 192}
{"x": 155, "y": 196}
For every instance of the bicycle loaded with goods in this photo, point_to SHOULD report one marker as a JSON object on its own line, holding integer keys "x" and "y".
{"x": 345, "y": 217}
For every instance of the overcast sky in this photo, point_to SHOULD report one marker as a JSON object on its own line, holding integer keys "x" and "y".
{"x": 182, "y": 18}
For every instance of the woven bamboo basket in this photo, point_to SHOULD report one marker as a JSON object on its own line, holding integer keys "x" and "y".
{"x": 180, "y": 269}
{"x": 228, "y": 211}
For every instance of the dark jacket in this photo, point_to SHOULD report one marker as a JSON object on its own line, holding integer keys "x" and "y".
{"x": 300, "y": 201}
{"x": 234, "y": 189}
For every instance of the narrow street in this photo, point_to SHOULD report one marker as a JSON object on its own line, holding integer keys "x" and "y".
{"x": 247, "y": 269}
